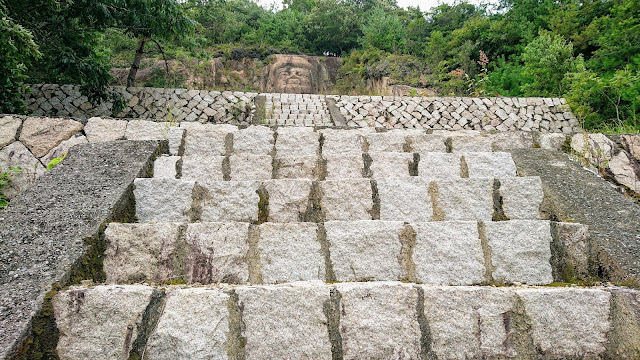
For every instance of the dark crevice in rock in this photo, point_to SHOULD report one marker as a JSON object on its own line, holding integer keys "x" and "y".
{"x": 179, "y": 169}
{"x": 559, "y": 270}
{"x": 520, "y": 337}
{"x": 226, "y": 168}
{"x": 464, "y": 168}
{"x": 365, "y": 143}
{"x": 448, "y": 143}
{"x": 150, "y": 318}
{"x": 407, "y": 241}
{"x": 198, "y": 196}
{"x": 331, "y": 309}
{"x": 235, "y": 344}
{"x": 180, "y": 256}
{"x": 367, "y": 161}
{"x": 329, "y": 274}
{"x": 426, "y": 352}
{"x": 320, "y": 171}
{"x": 253, "y": 255}
{"x": 375, "y": 197}
{"x": 314, "y": 212}
{"x": 486, "y": 252}
{"x": 228, "y": 143}
{"x": 434, "y": 193}
{"x": 498, "y": 210}
{"x": 413, "y": 165}
{"x": 275, "y": 163}
{"x": 263, "y": 204}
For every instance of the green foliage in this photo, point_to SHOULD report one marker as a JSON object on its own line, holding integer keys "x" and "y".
{"x": 5, "y": 182}
{"x": 384, "y": 31}
{"x": 56, "y": 161}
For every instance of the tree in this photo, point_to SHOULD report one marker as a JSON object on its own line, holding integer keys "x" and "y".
{"x": 384, "y": 31}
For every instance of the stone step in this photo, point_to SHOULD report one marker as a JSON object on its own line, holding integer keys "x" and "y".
{"x": 377, "y": 320}
{"x": 443, "y": 252}
{"x": 414, "y": 199}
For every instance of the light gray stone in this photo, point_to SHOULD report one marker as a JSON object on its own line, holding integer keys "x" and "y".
{"x": 217, "y": 253}
{"x": 392, "y": 141}
{"x": 175, "y": 136}
{"x": 631, "y": 141}
{"x": 297, "y": 141}
{"x": 285, "y": 321}
{"x": 473, "y": 142}
{"x": 520, "y": 251}
{"x": 439, "y": 165}
{"x": 597, "y": 148}
{"x": 253, "y": 140}
{"x": 194, "y": 325}
{"x": 63, "y": 148}
{"x": 288, "y": 199}
{"x": 521, "y": 197}
{"x": 347, "y": 166}
{"x": 510, "y": 140}
{"x": 100, "y": 130}
{"x": 490, "y": 164}
{"x": 448, "y": 253}
{"x": 379, "y": 321}
{"x": 250, "y": 167}
{"x": 18, "y": 156}
{"x": 146, "y": 130}
{"x": 575, "y": 245}
{"x": 231, "y": 201}
{"x": 390, "y": 164}
{"x": 470, "y": 322}
{"x": 41, "y": 135}
{"x": 624, "y": 167}
{"x": 404, "y": 199}
{"x": 465, "y": 199}
{"x": 424, "y": 143}
{"x": 552, "y": 141}
{"x": 290, "y": 252}
{"x": 206, "y": 139}
{"x": 340, "y": 142}
{"x": 365, "y": 250}
{"x": 294, "y": 167}
{"x": 568, "y": 322}
{"x": 165, "y": 167}
{"x": 100, "y": 322}
{"x": 140, "y": 252}
{"x": 8, "y": 130}
{"x": 347, "y": 199}
{"x": 163, "y": 200}
{"x": 202, "y": 168}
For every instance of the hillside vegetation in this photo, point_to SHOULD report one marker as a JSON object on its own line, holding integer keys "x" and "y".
{"x": 587, "y": 51}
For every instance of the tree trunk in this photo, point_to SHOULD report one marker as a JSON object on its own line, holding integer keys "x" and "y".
{"x": 131, "y": 79}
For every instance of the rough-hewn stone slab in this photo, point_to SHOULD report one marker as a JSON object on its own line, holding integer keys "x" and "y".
{"x": 139, "y": 252}
{"x": 99, "y": 130}
{"x": 521, "y": 197}
{"x": 253, "y": 140}
{"x": 8, "y": 130}
{"x": 294, "y": 167}
{"x": 424, "y": 143}
{"x": 448, "y": 253}
{"x": 520, "y": 251}
{"x": 290, "y": 252}
{"x": 194, "y": 325}
{"x": 490, "y": 164}
{"x": 165, "y": 167}
{"x": 568, "y": 322}
{"x": 347, "y": 166}
{"x": 365, "y": 250}
{"x": 231, "y": 201}
{"x": 100, "y": 322}
{"x": 285, "y": 321}
{"x": 508, "y": 140}
{"x": 217, "y": 253}
{"x": 390, "y": 164}
{"x": 439, "y": 165}
{"x": 297, "y": 141}
{"x": 552, "y": 141}
{"x": 465, "y": 199}
{"x": 202, "y": 168}
{"x": 470, "y": 322}
{"x": 347, "y": 199}
{"x": 206, "y": 139}
{"x": 163, "y": 200}
{"x": 41, "y": 135}
{"x": 146, "y": 130}
{"x": 17, "y": 155}
{"x": 379, "y": 321}
{"x": 338, "y": 142}
{"x": 175, "y": 136}
{"x": 63, "y": 148}
{"x": 470, "y": 141}
{"x": 391, "y": 141}
{"x": 288, "y": 199}
{"x": 250, "y": 167}
{"x": 404, "y": 199}
{"x": 43, "y": 229}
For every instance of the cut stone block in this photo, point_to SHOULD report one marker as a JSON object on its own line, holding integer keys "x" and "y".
{"x": 194, "y": 325}
{"x": 389, "y": 164}
{"x": 470, "y": 322}
{"x": 250, "y": 167}
{"x": 146, "y": 130}
{"x": 207, "y": 139}
{"x": 405, "y": 199}
{"x": 521, "y": 197}
{"x": 202, "y": 168}
{"x": 163, "y": 200}
{"x": 165, "y": 167}
{"x": 141, "y": 252}
{"x": 425, "y": 143}
{"x": 511, "y": 140}
{"x": 392, "y": 141}
{"x": 520, "y": 251}
{"x": 231, "y": 201}
{"x": 100, "y": 322}
{"x": 256, "y": 140}
{"x": 288, "y": 199}
{"x": 293, "y": 167}
{"x": 349, "y": 166}
{"x": 217, "y": 253}
{"x": 448, "y": 253}
{"x": 465, "y": 199}
{"x": 339, "y": 142}
{"x": 568, "y": 322}
{"x": 290, "y": 252}
{"x": 41, "y": 135}
{"x": 348, "y": 199}
{"x": 175, "y": 136}
{"x": 101, "y": 130}
{"x": 8, "y": 130}
{"x": 285, "y": 321}
{"x": 574, "y": 239}
{"x": 379, "y": 321}
{"x": 552, "y": 141}
{"x": 439, "y": 165}
{"x": 365, "y": 250}
{"x": 297, "y": 141}
{"x": 470, "y": 142}
{"x": 490, "y": 165}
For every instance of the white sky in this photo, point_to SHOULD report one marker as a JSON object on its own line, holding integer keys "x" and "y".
{"x": 424, "y": 4}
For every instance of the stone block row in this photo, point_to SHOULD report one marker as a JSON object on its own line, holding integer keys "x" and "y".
{"x": 379, "y": 320}
{"x": 447, "y": 252}
{"x": 293, "y": 200}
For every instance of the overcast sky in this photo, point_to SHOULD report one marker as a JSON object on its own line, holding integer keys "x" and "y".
{"x": 424, "y": 4}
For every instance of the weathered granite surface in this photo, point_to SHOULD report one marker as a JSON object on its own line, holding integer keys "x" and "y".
{"x": 42, "y": 231}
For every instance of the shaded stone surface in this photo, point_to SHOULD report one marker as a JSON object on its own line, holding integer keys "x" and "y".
{"x": 41, "y": 135}
{"x": 63, "y": 148}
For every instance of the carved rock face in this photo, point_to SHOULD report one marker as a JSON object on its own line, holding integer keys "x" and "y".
{"x": 291, "y": 74}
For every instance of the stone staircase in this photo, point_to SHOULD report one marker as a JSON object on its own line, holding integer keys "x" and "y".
{"x": 311, "y": 243}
